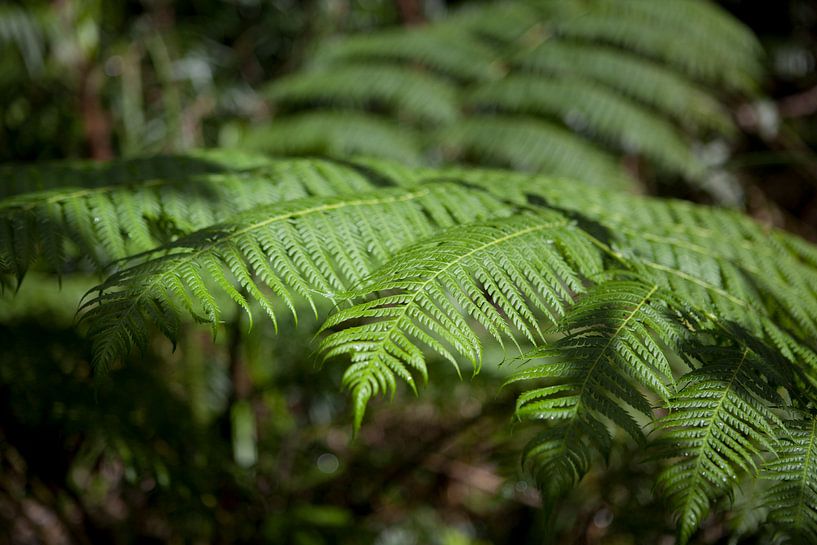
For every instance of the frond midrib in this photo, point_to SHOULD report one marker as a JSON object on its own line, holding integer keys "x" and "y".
{"x": 190, "y": 258}
{"x": 395, "y": 322}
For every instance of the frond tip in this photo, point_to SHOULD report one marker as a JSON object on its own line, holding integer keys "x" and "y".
{"x": 504, "y": 275}
{"x": 718, "y": 426}
{"x": 613, "y": 349}
{"x": 792, "y": 499}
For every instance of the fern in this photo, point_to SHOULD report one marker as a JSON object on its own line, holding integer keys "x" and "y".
{"x": 645, "y": 81}
{"x": 612, "y": 350}
{"x": 635, "y": 76}
{"x": 403, "y": 92}
{"x": 336, "y": 134}
{"x": 532, "y": 145}
{"x": 719, "y": 424}
{"x": 305, "y": 247}
{"x": 521, "y": 265}
{"x": 793, "y": 471}
{"x": 611, "y": 295}
{"x": 143, "y": 204}
{"x": 590, "y": 111}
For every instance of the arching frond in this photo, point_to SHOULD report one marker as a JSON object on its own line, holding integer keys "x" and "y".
{"x": 613, "y": 349}
{"x": 337, "y": 134}
{"x": 445, "y": 49}
{"x": 630, "y": 76}
{"x": 653, "y": 29}
{"x": 81, "y": 216}
{"x": 592, "y": 111}
{"x": 792, "y": 499}
{"x": 301, "y": 248}
{"x": 720, "y": 262}
{"x": 647, "y": 82}
{"x": 534, "y": 146}
{"x": 437, "y": 261}
{"x": 718, "y": 426}
{"x": 528, "y": 267}
{"x": 403, "y": 91}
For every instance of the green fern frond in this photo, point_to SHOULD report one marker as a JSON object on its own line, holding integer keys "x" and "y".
{"x": 532, "y": 145}
{"x": 337, "y": 134}
{"x": 613, "y": 349}
{"x": 445, "y": 49}
{"x": 594, "y": 112}
{"x": 86, "y": 218}
{"x": 792, "y": 499}
{"x": 503, "y": 274}
{"x": 613, "y": 74}
{"x": 501, "y": 25}
{"x": 720, "y": 262}
{"x": 653, "y": 29}
{"x": 717, "y": 428}
{"x": 437, "y": 261}
{"x": 402, "y": 91}
{"x": 318, "y": 246}
{"x": 641, "y": 79}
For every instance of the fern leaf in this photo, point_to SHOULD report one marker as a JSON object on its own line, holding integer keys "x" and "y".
{"x": 718, "y": 426}
{"x": 302, "y": 248}
{"x": 720, "y": 262}
{"x": 532, "y": 145}
{"x": 444, "y": 49}
{"x": 653, "y": 29}
{"x": 337, "y": 134}
{"x": 503, "y": 275}
{"x": 405, "y": 92}
{"x": 613, "y": 348}
{"x": 593, "y": 111}
{"x": 109, "y": 222}
{"x": 641, "y": 79}
{"x": 792, "y": 498}
{"x": 659, "y": 77}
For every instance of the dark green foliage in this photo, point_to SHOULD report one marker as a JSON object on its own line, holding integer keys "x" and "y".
{"x": 793, "y": 470}
{"x": 552, "y": 86}
{"x": 619, "y": 296}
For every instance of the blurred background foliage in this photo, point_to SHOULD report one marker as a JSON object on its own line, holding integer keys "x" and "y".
{"x": 240, "y": 439}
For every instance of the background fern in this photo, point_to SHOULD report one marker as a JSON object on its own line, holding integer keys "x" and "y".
{"x": 558, "y": 87}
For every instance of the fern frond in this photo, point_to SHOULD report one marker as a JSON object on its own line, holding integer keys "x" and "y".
{"x": 503, "y": 274}
{"x": 653, "y": 29}
{"x": 26, "y": 178}
{"x": 134, "y": 213}
{"x": 613, "y": 349}
{"x": 437, "y": 261}
{"x": 592, "y": 111}
{"x": 721, "y": 262}
{"x": 302, "y": 248}
{"x": 532, "y": 145}
{"x": 717, "y": 428}
{"x": 445, "y": 49}
{"x": 402, "y": 91}
{"x": 337, "y": 134}
{"x": 792, "y": 499}
{"x": 641, "y": 79}
{"x": 659, "y": 77}
{"x": 501, "y": 25}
